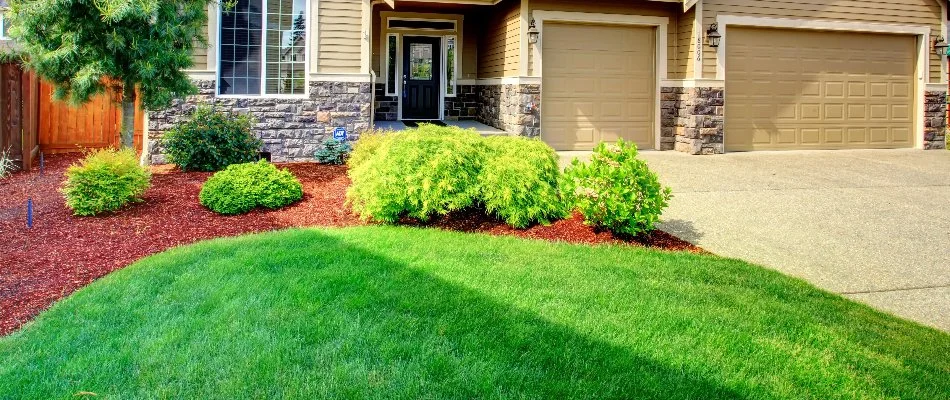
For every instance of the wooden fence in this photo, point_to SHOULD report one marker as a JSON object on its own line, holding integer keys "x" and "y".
{"x": 19, "y": 114}
{"x": 96, "y": 124}
{"x": 31, "y": 121}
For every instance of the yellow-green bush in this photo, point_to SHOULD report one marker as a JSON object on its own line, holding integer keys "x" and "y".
{"x": 242, "y": 187}
{"x": 419, "y": 173}
{"x": 519, "y": 182}
{"x": 616, "y": 191}
{"x": 105, "y": 180}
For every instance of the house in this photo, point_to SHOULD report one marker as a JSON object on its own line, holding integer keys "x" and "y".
{"x": 697, "y": 76}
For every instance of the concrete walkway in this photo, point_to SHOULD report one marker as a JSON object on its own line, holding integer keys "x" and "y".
{"x": 873, "y": 226}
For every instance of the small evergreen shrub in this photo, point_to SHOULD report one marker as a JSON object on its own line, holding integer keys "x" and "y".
{"x": 211, "y": 140}
{"x": 333, "y": 152}
{"x": 105, "y": 180}
{"x": 519, "y": 182}
{"x": 616, "y": 191}
{"x": 240, "y": 188}
{"x": 418, "y": 173}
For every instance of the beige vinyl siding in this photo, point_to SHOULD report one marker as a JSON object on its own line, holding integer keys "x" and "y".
{"x": 901, "y": 12}
{"x": 685, "y": 46}
{"x": 340, "y": 24}
{"x": 199, "y": 53}
{"x": 673, "y": 11}
{"x": 500, "y": 45}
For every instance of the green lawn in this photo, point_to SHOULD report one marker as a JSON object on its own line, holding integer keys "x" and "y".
{"x": 384, "y": 312}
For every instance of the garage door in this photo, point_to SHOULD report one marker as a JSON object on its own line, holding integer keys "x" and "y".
{"x": 796, "y": 89}
{"x": 598, "y": 85}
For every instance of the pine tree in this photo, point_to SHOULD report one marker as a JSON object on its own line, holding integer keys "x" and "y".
{"x": 87, "y": 47}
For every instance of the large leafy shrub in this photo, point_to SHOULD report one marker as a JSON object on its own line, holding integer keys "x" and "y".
{"x": 333, "y": 152}
{"x": 519, "y": 181}
{"x": 240, "y": 188}
{"x": 419, "y": 173}
{"x": 105, "y": 180}
{"x": 367, "y": 145}
{"x": 211, "y": 140}
{"x": 616, "y": 191}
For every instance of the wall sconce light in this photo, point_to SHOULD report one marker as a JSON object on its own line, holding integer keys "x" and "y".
{"x": 940, "y": 46}
{"x": 713, "y": 35}
{"x": 533, "y": 32}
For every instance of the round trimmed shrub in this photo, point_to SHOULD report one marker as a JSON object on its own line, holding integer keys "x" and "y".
{"x": 418, "y": 173}
{"x": 519, "y": 182}
{"x": 242, "y": 187}
{"x": 616, "y": 191}
{"x": 105, "y": 180}
{"x": 211, "y": 140}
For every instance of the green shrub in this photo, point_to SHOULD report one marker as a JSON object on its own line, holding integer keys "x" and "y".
{"x": 418, "y": 173}
{"x": 242, "y": 187}
{"x": 105, "y": 180}
{"x": 333, "y": 152}
{"x": 519, "y": 182}
{"x": 211, "y": 140}
{"x": 367, "y": 145}
{"x": 616, "y": 191}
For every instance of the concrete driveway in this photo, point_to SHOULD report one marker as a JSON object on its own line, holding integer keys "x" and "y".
{"x": 873, "y": 226}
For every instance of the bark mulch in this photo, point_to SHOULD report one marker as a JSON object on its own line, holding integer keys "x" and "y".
{"x": 62, "y": 253}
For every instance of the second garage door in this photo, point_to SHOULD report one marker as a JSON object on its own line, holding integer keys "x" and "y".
{"x": 798, "y": 89}
{"x": 599, "y": 85}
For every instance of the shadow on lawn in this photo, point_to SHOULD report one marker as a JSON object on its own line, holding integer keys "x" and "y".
{"x": 344, "y": 322}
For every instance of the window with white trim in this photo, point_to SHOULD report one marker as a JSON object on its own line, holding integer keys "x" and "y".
{"x": 262, "y": 48}
{"x": 451, "y": 65}
{"x": 392, "y": 63}
{"x": 3, "y": 26}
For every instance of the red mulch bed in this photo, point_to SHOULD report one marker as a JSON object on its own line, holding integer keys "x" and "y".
{"x": 62, "y": 253}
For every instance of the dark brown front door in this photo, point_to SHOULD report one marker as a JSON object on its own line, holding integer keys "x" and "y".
{"x": 421, "y": 77}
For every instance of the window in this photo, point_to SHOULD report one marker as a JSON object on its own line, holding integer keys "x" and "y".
{"x": 263, "y": 48}
{"x": 420, "y": 61}
{"x": 451, "y": 60}
{"x": 3, "y": 27}
{"x": 392, "y": 63}
{"x": 421, "y": 24}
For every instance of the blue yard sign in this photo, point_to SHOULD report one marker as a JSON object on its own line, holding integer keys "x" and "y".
{"x": 339, "y": 134}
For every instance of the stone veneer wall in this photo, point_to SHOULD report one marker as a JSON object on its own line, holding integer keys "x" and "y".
{"x": 291, "y": 128}
{"x": 386, "y": 107}
{"x": 465, "y": 105}
{"x": 514, "y": 108}
{"x": 692, "y": 120}
{"x": 935, "y": 120}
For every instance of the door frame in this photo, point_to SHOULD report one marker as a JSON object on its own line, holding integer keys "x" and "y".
{"x": 399, "y": 71}
{"x": 661, "y": 24}
{"x": 922, "y": 72}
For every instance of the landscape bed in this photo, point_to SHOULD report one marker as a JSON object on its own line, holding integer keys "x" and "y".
{"x": 397, "y": 312}
{"x": 62, "y": 253}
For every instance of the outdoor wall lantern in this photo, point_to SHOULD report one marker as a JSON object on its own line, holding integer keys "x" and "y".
{"x": 533, "y": 32}
{"x": 713, "y": 35}
{"x": 940, "y": 46}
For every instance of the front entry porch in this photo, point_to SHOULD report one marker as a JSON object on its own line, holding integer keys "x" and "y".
{"x": 479, "y": 127}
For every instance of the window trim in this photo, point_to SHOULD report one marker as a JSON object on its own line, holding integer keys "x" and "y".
{"x": 307, "y": 54}
{"x": 446, "y": 82}
{"x": 398, "y": 61}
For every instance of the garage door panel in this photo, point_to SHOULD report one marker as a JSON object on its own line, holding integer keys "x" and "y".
{"x": 602, "y": 87}
{"x": 791, "y": 89}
